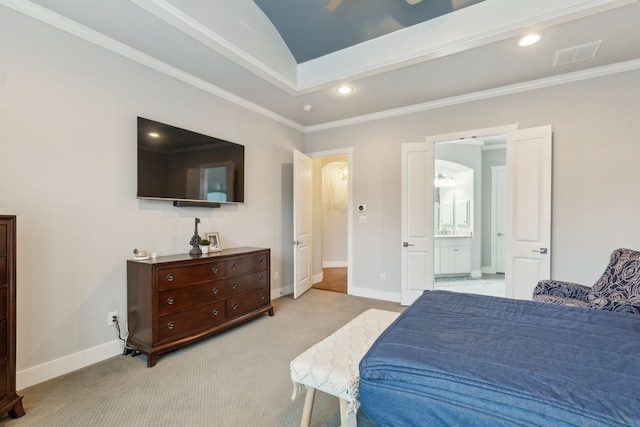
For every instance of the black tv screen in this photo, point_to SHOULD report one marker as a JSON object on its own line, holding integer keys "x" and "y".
{"x": 181, "y": 165}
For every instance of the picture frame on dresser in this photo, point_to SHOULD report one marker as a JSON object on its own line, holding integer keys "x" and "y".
{"x": 214, "y": 238}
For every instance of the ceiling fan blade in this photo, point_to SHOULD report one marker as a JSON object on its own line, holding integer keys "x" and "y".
{"x": 332, "y": 4}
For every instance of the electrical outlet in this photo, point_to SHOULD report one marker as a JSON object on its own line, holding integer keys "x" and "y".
{"x": 111, "y": 318}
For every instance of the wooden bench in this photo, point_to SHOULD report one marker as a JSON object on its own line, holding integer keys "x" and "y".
{"x": 331, "y": 365}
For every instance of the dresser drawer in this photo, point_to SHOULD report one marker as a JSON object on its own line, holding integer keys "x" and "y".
{"x": 3, "y": 302}
{"x": 4, "y": 385}
{"x": 187, "y": 322}
{"x": 185, "y": 298}
{"x": 3, "y": 338}
{"x": 3, "y": 239}
{"x": 175, "y": 277}
{"x": 247, "y": 264}
{"x": 4, "y": 278}
{"x": 248, "y": 282}
{"x": 243, "y": 304}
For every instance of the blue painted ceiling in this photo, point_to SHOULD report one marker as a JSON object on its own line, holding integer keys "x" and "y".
{"x": 310, "y": 30}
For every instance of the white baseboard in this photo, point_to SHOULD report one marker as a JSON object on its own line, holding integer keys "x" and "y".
{"x": 476, "y": 274}
{"x": 282, "y": 291}
{"x": 374, "y": 294}
{"x": 334, "y": 264}
{"x": 317, "y": 278}
{"x": 64, "y": 365}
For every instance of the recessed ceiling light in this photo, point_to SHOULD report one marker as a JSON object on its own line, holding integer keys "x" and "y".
{"x": 344, "y": 90}
{"x": 528, "y": 40}
{"x": 307, "y": 107}
{"x": 154, "y": 135}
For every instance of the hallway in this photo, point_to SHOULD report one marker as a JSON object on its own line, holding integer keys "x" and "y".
{"x": 333, "y": 279}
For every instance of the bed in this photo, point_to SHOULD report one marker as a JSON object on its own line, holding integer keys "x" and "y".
{"x": 466, "y": 360}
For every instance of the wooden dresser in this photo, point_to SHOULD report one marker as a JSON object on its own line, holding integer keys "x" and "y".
{"x": 10, "y": 402}
{"x": 175, "y": 300}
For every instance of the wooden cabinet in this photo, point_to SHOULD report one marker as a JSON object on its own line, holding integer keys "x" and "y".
{"x": 175, "y": 300}
{"x": 10, "y": 402}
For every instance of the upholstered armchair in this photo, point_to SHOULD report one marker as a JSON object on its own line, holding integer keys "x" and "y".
{"x": 618, "y": 289}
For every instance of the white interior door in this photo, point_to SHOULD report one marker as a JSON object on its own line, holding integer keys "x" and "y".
{"x": 417, "y": 220}
{"x": 499, "y": 214}
{"x": 528, "y": 210}
{"x": 302, "y": 223}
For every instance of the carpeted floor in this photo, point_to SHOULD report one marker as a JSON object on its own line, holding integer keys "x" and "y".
{"x": 237, "y": 378}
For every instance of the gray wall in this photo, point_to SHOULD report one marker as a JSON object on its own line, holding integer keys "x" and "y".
{"x": 595, "y": 155}
{"x": 68, "y": 171}
{"x": 68, "y": 166}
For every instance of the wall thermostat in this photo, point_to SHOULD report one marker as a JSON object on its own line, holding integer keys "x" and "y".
{"x": 362, "y": 208}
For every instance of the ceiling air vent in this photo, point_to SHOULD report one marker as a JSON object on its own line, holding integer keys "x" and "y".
{"x": 576, "y": 53}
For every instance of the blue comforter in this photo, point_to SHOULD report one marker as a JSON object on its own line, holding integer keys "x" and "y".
{"x": 469, "y": 360}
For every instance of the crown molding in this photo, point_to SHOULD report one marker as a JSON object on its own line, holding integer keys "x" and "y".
{"x": 58, "y": 21}
{"x": 65, "y": 24}
{"x": 214, "y": 41}
{"x": 562, "y": 79}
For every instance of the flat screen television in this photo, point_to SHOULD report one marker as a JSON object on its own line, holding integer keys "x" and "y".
{"x": 187, "y": 167}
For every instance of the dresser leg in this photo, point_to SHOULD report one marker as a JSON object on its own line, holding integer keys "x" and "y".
{"x": 18, "y": 410}
{"x": 270, "y": 311}
{"x": 152, "y": 358}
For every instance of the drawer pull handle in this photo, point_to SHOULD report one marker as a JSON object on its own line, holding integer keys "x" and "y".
{"x": 261, "y": 260}
{"x": 215, "y": 312}
{"x": 216, "y": 290}
{"x": 262, "y": 278}
{"x": 234, "y": 306}
{"x": 233, "y": 267}
{"x": 169, "y": 277}
{"x": 234, "y": 286}
{"x": 215, "y": 270}
{"x": 263, "y": 296}
{"x": 171, "y": 300}
{"x": 171, "y": 324}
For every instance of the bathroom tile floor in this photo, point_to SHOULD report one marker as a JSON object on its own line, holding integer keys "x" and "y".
{"x": 488, "y": 284}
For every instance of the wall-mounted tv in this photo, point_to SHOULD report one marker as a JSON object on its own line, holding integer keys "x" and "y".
{"x": 187, "y": 167}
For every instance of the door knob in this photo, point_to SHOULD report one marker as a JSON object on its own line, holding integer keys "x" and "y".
{"x": 540, "y": 251}
{"x": 405, "y": 244}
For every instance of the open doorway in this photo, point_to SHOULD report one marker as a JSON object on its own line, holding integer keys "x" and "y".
{"x": 332, "y": 208}
{"x": 465, "y": 218}
{"x": 528, "y": 210}
{"x": 332, "y": 213}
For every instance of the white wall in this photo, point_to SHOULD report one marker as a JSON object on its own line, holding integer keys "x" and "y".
{"x": 595, "y": 155}
{"x": 68, "y": 171}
